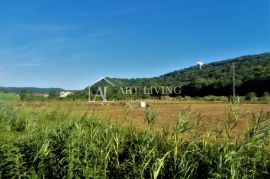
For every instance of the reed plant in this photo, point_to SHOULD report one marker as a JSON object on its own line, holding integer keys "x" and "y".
{"x": 58, "y": 144}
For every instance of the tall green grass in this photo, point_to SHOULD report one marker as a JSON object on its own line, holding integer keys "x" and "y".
{"x": 9, "y": 96}
{"x": 56, "y": 144}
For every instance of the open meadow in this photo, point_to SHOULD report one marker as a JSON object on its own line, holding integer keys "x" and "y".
{"x": 212, "y": 115}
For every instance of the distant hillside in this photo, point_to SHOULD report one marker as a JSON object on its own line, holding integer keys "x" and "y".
{"x": 29, "y": 89}
{"x": 252, "y": 75}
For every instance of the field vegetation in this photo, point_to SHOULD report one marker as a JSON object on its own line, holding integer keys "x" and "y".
{"x": 56, "y": 142}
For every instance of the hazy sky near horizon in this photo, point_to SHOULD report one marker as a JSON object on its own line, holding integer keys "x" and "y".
{"x": 72, "y": 43}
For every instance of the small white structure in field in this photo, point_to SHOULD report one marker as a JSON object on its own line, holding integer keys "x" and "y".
{"x": 200, "y": 64}
{"x": 64, "y": 94}
{"x": 45, "y": 95}
{"x": 143, "y": 104}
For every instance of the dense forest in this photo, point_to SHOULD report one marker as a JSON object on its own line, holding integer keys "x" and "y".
{"x": 252, "y": 74}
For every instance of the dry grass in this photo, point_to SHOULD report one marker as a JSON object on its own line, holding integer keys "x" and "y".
{"x": 212, "y": 114}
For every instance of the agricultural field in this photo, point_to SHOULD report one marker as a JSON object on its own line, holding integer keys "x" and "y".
{"x": 66, "y": 139}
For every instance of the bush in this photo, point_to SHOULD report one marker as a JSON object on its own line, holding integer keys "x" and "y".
{"x": 8, "y": 96}
{"x": 266, "y": 94}
{"x": 251, "y": 96}
{"x": 215, "y": 98}
{"x": 14, "y": 120}
{"x": 266, "y": 97}
{"x": 27, "y": 96}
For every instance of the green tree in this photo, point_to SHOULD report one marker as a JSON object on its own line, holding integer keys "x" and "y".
{"x": 53, "y": 94}
{"x": 27, "y": 96}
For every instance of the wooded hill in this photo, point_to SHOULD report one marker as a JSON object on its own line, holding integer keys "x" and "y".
{"x": 29, "y": 89}
{"x": 252, "y": 74}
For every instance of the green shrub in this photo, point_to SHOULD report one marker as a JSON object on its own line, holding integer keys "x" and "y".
{"x": 266, "y": 97}
{"x": 8, "y": 96}
{"x": 215, "y": 98}
{"x": 13, "y": 119}
{"x": 251, "y": 96}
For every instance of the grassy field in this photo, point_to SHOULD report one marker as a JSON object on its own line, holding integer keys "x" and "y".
{"x": 62, "y": 139}
{"x": 212, "y": 114}
{"x": 9, "y": 96}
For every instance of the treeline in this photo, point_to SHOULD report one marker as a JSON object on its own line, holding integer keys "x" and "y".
{"x": 32, "y": 96}
{"x": 83, "y": 96}
{"x": 52, "y": 95}
{"x": 29, "y": 89}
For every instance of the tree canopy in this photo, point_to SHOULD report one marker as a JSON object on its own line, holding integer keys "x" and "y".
{"x": 252, "y": 74}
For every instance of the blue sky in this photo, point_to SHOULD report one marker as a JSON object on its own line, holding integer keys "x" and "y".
{"x": 71, "y": 43}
